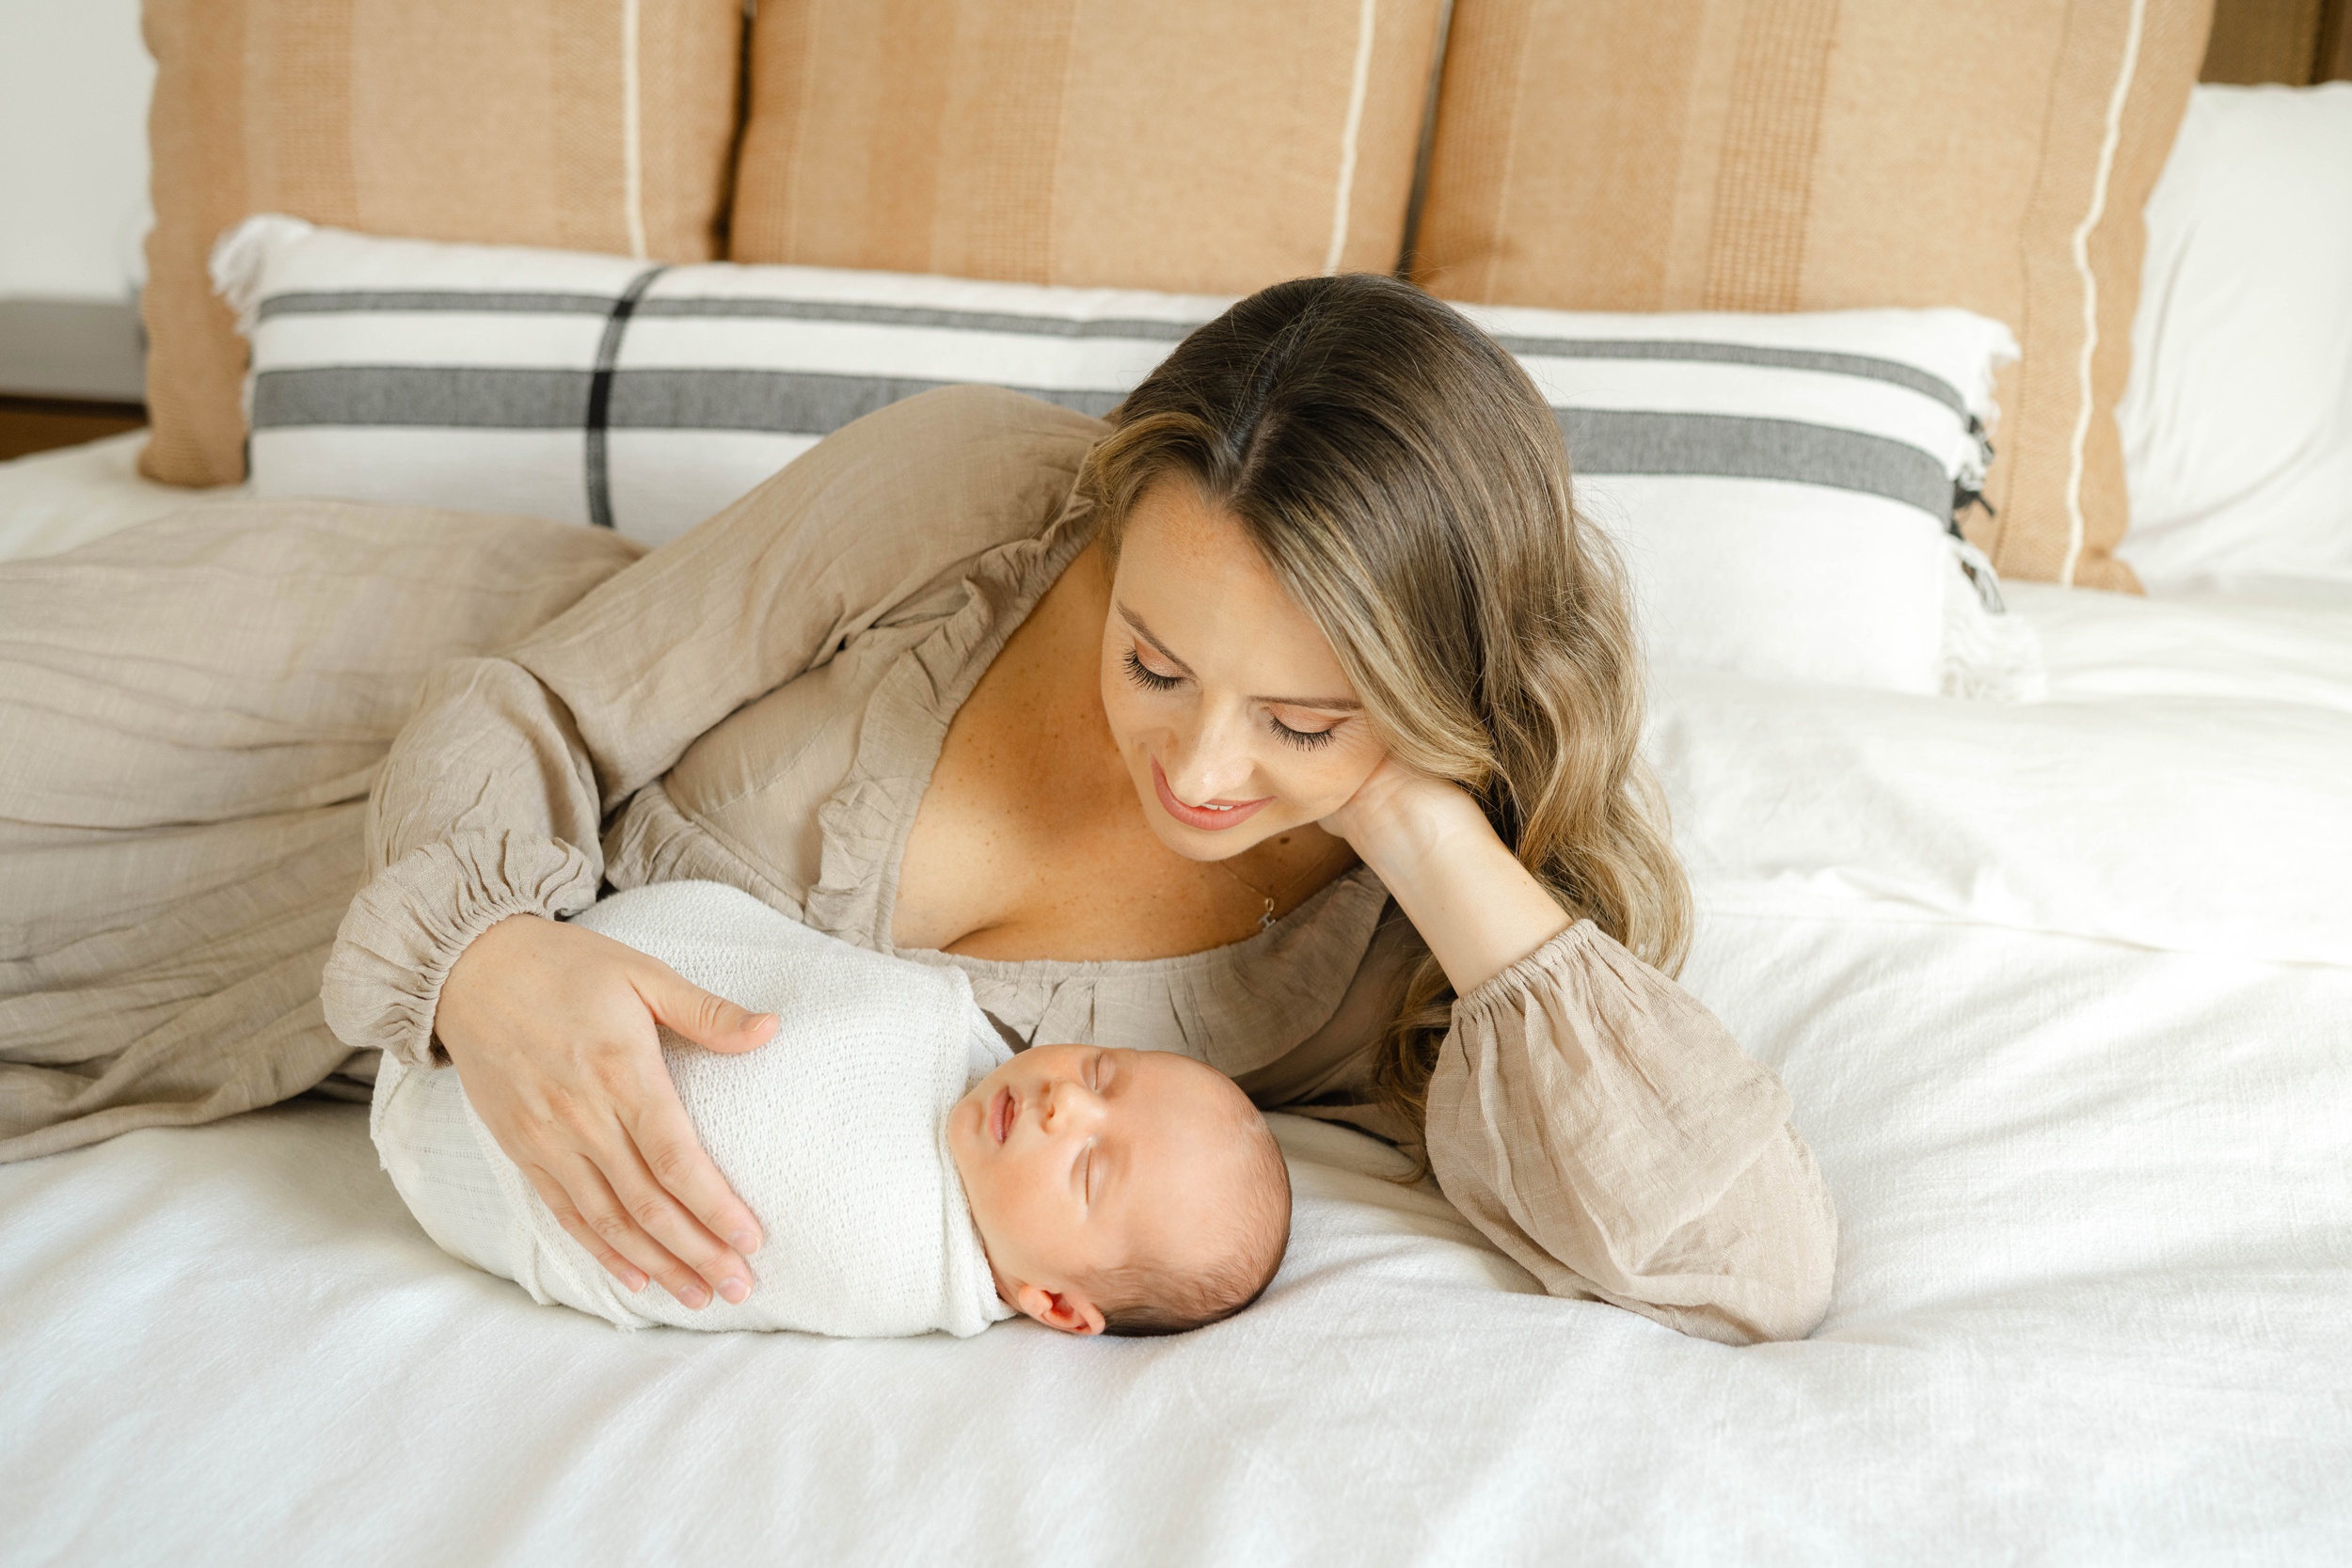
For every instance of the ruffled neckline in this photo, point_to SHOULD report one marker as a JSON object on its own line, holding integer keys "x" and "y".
{"x": 1237, "y": 1006}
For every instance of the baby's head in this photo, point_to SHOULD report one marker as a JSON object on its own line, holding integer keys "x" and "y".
{"x": 1120, "y": 1192}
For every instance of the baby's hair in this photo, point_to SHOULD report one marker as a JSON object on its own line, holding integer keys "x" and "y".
{"x": 1164, "y": 1300}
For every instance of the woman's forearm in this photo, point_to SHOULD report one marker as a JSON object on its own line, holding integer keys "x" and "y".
{"x": 1479, "y": 909}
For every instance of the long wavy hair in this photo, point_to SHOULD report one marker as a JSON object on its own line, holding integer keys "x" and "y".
{"x": 1410, "y": 490}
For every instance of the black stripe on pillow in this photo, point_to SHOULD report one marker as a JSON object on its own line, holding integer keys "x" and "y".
{"x": 599, "y": 477}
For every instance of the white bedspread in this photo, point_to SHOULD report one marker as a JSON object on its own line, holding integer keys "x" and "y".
{"x": 53, "y": 500}
{"x": 2021, "y": 967}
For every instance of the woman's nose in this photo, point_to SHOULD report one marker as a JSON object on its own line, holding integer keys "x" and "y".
{"x": 1212, "y": 761}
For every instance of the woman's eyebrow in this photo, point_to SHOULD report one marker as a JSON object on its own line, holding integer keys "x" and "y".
{"x": 1334, "y": 705}
{"x": 1135, "y": 623}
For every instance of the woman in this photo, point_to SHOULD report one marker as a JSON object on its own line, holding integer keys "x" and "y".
{"x": 1290, "y": 722}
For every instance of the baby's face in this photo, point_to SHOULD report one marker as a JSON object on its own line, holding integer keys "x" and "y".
{"x": 1077, "y": 1159}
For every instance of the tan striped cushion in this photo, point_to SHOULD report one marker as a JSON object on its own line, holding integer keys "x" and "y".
{"x": 1825, "y": 154}
{"x": 1212, "y": 147}
{"x": 592, "y": 124}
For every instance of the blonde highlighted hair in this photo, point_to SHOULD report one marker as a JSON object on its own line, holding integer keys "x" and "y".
{"x": 1410, "y": 490}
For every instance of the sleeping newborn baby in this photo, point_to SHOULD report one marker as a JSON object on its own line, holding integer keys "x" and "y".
{"x": 910, "y": 1172}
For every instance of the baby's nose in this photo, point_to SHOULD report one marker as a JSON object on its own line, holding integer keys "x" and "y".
{"x": 1069, "y": 1103}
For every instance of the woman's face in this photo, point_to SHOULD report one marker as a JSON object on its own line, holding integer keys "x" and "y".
{"x": 1226, "y": 699}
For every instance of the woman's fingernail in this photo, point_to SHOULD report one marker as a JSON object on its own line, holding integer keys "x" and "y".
{"x": 744, "y": 1243}
{"x": 735, "y": 1290}
{"x": 635, "y": 1282}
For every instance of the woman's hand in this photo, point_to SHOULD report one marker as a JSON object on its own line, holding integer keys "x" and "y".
{"x": 552, "y": 1032}
{"x": 1479, "y": 909}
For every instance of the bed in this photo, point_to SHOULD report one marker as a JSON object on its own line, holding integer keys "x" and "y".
{"x": 2062, "y": 990}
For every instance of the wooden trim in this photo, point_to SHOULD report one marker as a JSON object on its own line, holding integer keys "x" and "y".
{"x": 28, "y": 425}
{"x": 2265, "y": 40}
{"x": 2334, "y": 62}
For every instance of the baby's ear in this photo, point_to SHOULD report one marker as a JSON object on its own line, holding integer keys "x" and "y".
{"x": 1064, "y": 1309}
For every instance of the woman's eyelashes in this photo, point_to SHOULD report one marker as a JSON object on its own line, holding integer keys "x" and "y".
{"x": 1306, "y": 740}
{"x": 1149, "y": 678}
{"x": 1152, "y": 680}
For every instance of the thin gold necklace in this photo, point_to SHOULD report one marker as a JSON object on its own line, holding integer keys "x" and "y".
{"x": 1266, "y": 921}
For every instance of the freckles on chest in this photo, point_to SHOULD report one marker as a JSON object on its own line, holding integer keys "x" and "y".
{"x": 1029, "y": 842}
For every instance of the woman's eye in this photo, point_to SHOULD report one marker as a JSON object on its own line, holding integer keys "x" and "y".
{"x": 1149, "y": 679}
{"x": 1306, "y": 740}
{"x": 1088, "y": 1186}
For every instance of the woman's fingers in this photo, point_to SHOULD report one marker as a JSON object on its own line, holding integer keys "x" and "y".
{"x": 710, "y": 1021}
{"x": 676, "y": 1193}
{"x": 606, "y": 1209}
{"x": 568, "y": 1214}
{"x": 552, "y": 1029}
{"x": 663, "y": 1134}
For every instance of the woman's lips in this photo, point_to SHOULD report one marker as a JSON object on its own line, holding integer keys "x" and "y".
{"x": 1214, "y": 817}
{"x": 1000, "y": 1111}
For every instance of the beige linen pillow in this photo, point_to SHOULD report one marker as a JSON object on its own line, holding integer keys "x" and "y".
{"x": 593, "y": 124}
{"x": 1209, "y": 148}
{"x": 1828, "y": 154}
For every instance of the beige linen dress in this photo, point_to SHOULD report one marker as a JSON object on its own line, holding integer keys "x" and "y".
{"x": 762, "y": 703}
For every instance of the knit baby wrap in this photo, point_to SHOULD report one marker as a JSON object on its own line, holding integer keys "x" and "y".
{"x": 835, "y": 1132}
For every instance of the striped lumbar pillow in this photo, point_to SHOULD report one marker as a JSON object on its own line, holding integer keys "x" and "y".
{"x": 1788, "y": 488}
{"x": 1784, "y": 486}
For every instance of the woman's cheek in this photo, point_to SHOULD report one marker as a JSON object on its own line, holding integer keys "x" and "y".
{"x": 1320, "y": 783}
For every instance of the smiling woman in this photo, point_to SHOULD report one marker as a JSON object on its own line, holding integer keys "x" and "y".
{"x": 1313, "y": 626}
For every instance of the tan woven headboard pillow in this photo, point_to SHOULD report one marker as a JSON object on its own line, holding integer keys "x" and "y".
{"x": 1821, "y": 154}
{"x": 523, "y": 121}
{"x": 1212, "y": 147}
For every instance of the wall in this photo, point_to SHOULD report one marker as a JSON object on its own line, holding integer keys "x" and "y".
{"x": 73, "y": 85}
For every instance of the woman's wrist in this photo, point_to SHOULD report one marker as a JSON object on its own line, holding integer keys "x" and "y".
{"x": 1479, "y": 909}
{"x": 1410, "y": 820}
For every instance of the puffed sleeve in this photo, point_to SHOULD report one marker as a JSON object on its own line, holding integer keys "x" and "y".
{"x": 492, "y": 799}
{"x": 1604, "y": 1129}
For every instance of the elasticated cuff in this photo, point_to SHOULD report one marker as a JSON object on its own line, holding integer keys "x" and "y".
{"x": 407, "y": 927}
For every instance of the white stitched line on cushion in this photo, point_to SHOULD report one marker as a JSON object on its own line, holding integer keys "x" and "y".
{"x": 1356, "y": 88}
{"x": 632, "y": 154}
{"x": 2075, "y": 529}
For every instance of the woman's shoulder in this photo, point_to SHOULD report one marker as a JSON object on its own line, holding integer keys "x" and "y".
{"x": 990, "y": 414}
{"x": 957, "y": 447}
{"x": 910, "y": 489}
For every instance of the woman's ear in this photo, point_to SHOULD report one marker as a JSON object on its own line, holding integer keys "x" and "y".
{"x": 1064, "y": 1309}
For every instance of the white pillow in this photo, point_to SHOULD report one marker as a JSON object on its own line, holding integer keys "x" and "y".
{"x": 2237, "y": 422}
{"x": 1784, "y": 486}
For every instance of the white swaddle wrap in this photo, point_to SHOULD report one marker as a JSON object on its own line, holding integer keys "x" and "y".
{"x": 835, "y": 1132}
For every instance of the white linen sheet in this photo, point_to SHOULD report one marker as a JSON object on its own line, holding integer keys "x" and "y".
{"x": 2090, "y": 1140}
{"x": 53, "y": 500}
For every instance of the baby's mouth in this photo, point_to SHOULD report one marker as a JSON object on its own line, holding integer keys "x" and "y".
{"x": 1000, "y": 1114}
